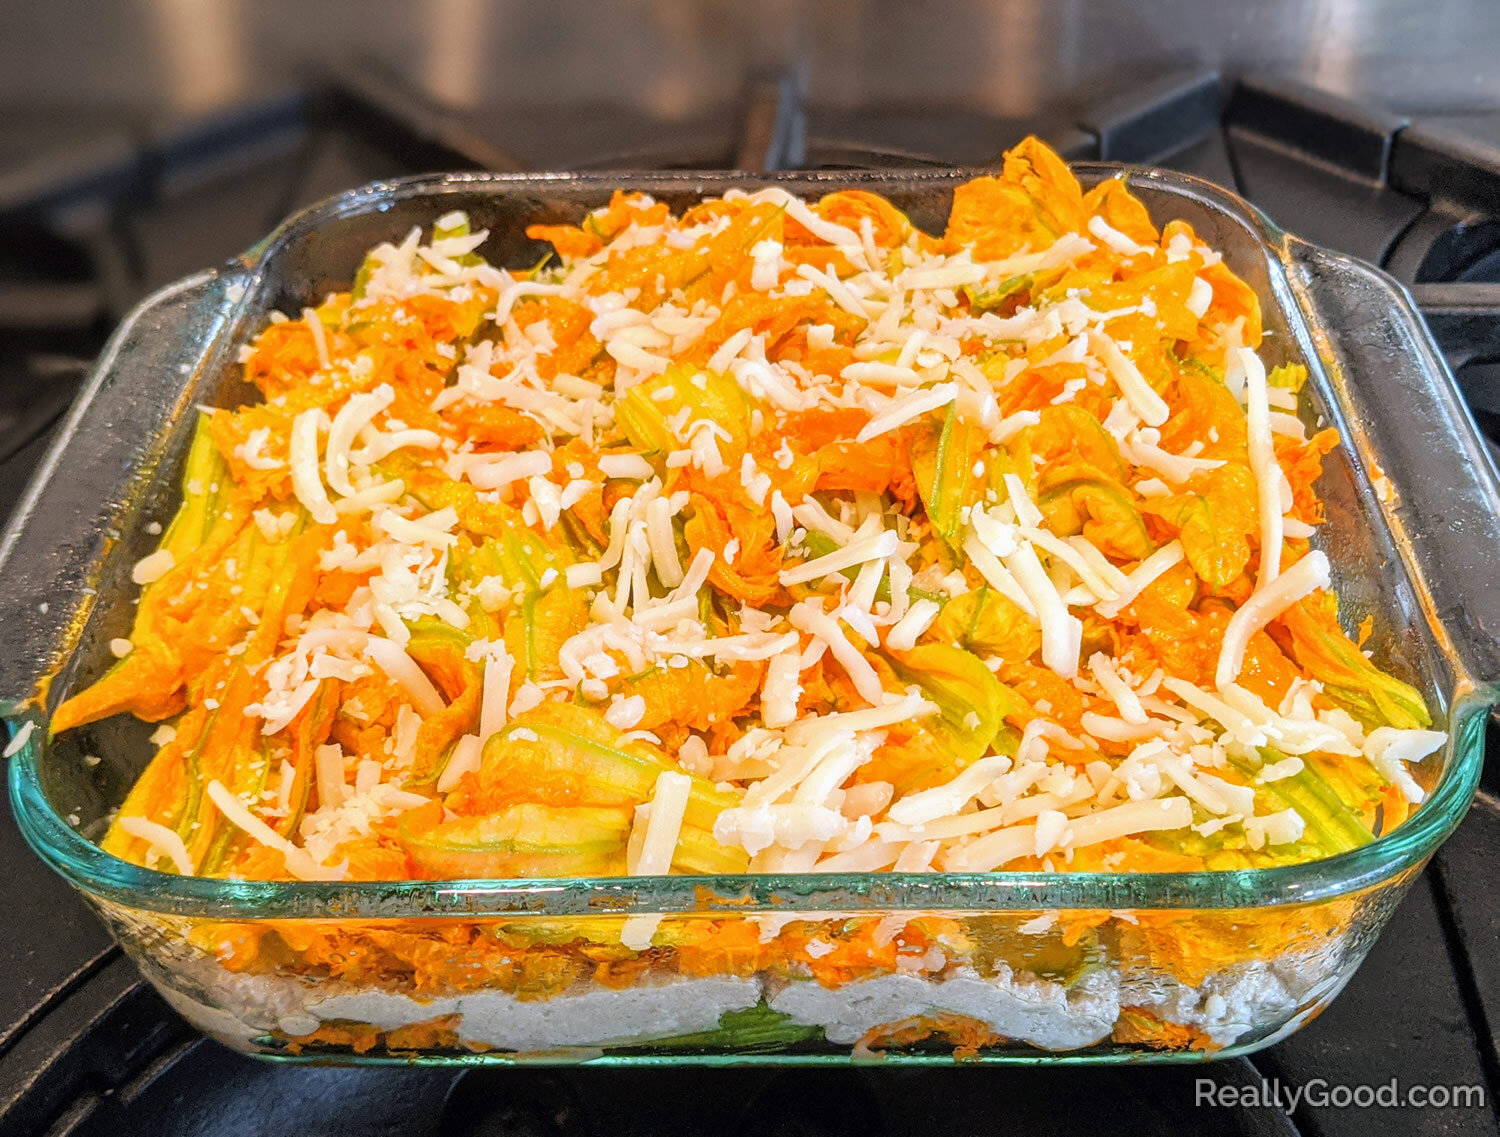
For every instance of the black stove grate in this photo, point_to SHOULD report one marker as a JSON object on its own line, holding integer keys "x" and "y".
{"x": 96, "y": 211}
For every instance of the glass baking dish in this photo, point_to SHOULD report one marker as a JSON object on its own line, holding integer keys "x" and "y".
{"x": 924, "y": 968}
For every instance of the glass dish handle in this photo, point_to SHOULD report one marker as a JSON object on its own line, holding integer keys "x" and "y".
{"x": 86, "y": 494}
{"x": 1414, "y": 436}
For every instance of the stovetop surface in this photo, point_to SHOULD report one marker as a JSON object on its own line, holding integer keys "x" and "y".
{"x": 95, "y": 211}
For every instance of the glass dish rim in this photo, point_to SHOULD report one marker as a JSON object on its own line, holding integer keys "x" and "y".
{"x": 106, "y": 877}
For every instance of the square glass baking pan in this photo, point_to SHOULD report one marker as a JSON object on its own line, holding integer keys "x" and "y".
{"x": 989, "y": 967}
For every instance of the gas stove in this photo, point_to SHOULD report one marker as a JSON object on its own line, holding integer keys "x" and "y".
{"x": 96, "y": 211}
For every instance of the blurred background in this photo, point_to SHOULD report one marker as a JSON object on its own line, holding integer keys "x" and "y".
{"x": 141, "y": 141}
{"x": 1006, "y": 58}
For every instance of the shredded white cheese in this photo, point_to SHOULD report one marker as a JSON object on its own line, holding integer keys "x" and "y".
{"x": 163, "y": 842}
{"x": 904, "y": 409}
{"x": 299, "y": 862}
{"x": 1263, "y": 465}
{"x": 1388, "y": 748}
{"x": 904, "y": 634}
{"x": 781, "y": 690}
{"x": 465, "y": 759}
{"x": 1145, "y": 402}
{"x": 625, "y": 466}
{"x": 1264, "y": 605}
{"x": 319, "y": 335}
{"x": 152, "y": 567}
{"x": 663, "y": 817}
{"x": 1141, "y": 577}
{"x": 19, "y": 739}
{"x": 1115, "y": 239}
{"x": 403, "y": 670}
{"x": 1062, "y": 632}
{"x": 867, "y": 546}
{"x": 356, "y": 414}
{"x": 302, "y": 450}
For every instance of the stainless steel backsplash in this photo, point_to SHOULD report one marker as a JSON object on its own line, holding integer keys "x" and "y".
{"x": 674, "y": 59}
